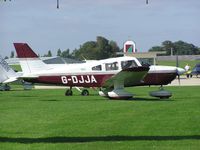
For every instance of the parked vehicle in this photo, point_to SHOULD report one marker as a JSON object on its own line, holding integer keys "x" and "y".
{"x": 196, "y": 70}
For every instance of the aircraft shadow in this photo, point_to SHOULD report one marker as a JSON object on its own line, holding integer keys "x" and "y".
{"x": 51, "y": 100}
{"x": 149, "y": 99}
{"x": 142, "y": 99}
{"x": 26, "y": 140}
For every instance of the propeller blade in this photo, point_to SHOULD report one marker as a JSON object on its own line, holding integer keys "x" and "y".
{"x": 178, "y": 74}
{"x": 179, "y": 81}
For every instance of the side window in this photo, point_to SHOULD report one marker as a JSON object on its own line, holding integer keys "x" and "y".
{"x": 97, "y": 68}
{"x": 128, "y": 64}
{"x": 112, "y": 66}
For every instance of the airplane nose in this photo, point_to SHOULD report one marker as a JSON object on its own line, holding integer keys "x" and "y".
{"x": 180, "y": 71}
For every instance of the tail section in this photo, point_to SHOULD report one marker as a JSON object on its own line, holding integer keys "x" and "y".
{"x": 29, "y": 61}
{"x": 6, "y": 71}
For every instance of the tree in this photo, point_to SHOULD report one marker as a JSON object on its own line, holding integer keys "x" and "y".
{"x": 179, "y": 48}
{"x": 168, "y": 46}
{"x": 87, "y": 50}
{"x": 183, "y": 48}
{"x": 103, "y": 47}
{"x": 59, "y": 53}
{"x": 114, "y": 49}
{"x": 12, "y": 54}
{"x": 156, "y": 48}
{"x": 99, "y": 49}
{"x": 66, "y": 53}
{"x": 49, "y": 54}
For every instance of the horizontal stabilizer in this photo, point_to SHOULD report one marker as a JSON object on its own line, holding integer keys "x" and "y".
{"x": 6, "y": 71}
{"x": 12, "y": 79}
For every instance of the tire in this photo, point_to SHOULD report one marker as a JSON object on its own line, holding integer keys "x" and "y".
{"x": 68, "y": 93}
{"x": 85, "y": 92}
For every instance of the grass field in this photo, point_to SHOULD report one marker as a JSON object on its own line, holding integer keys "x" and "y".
{"x": 46, "y": 119}
{"x": 16, "y": 67}
{"x": 182, "y": 63}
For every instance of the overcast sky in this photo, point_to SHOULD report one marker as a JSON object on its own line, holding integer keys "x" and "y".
{"x": 44, "y": 27}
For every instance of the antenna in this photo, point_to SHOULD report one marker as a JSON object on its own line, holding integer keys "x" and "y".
{"x": 57, "y": 4}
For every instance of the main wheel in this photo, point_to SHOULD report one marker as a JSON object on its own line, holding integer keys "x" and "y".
{"x": 68, "y": 93}
{"x": 85, "y": 92}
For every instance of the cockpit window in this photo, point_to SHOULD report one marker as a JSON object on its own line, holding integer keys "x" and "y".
{"x": 128, "y": 64}
{"x": 112, "y": 66}
{"x": 99, "y": 68}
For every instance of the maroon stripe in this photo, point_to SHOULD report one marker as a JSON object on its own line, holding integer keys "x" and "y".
{"x": 76, "y": 80}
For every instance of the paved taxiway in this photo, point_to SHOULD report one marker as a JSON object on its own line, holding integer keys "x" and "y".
{"x": 186, "y": 82}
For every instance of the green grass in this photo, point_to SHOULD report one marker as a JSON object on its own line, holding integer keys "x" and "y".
{"x": 182, "y": 63}
{"x": 46, "y": 119}
{"x": 16, "y": 67}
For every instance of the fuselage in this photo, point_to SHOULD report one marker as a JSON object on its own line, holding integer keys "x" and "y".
{"x": 95, "y": 73}
{"x": 88, "y": 74}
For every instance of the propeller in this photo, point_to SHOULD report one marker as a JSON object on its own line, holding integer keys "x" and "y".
{"x": 178, "y": 75}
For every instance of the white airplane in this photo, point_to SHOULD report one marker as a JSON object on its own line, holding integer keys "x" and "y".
{"x": 110, "y": 75}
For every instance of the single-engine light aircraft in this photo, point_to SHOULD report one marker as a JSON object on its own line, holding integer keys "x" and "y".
{"x": 110, "y": 75}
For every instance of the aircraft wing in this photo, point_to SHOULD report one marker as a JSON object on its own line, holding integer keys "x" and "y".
{"x": 127, "y": 77}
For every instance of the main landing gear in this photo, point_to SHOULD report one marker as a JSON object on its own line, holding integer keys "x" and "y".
{"x": 161, "y": 93}
{"x": 69, "y": 92}
{"x": 85, "y": 92}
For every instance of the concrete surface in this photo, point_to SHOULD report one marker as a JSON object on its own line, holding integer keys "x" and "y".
{"x": 186, "y": 82}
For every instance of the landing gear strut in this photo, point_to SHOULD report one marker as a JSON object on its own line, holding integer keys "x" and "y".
{"x": 161, "y": 93}
{"x": 69, "y": 92}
